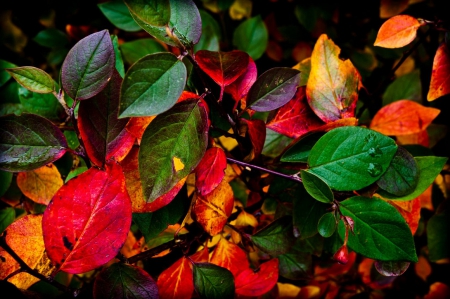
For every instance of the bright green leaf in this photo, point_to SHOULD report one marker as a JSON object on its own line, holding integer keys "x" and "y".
{"x": 316, "y": 187}
{"x": 118, "y": 14}
{"x": 211, "y": 34}
{"x": 4, "y": 75}
{"x": 136, "y": 49}
{"x": 251, "y": 36}
{"x": 7, "y": 216}
{"x": 212, "y": 281}
{"x": 327, "y": 225}
{"x": 119, "y": 61}
{"x": 45, "y": 105}
{"x": 33, "y": 79}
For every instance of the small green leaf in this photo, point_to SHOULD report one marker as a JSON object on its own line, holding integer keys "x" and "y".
{"x": 119, "y": 61}
{"x": 152, "y": 85}
{"x": 51, "y": 38}
{"x": 273, "y": 89}
{"x": 7, "y": 216}
{"x": 438, "y": 236}
{"x": 211, "y": 281}
{"x": 408, "y": 87}
{"x": 33, "y": 79}
{"x": 5, "y": 181}
{"x": 211, "y": 33}
{"x": 380, "y": 232}
{"x": 45, "y": 105}
{"x": 155, "y": 12}
{"x": 351, "y": 158}
{"x": 134, "y": 50}
{"x": 75, "y": 172}
{"x": 327, "y": 225}
{"x": 4, "y": 75}
{"x": 316, "y": 187}
{"x": 118, "y": 14}
{"x": 251, "y": 36}
{"x": 276, "y": 238}
{"x": 299, "y": 151}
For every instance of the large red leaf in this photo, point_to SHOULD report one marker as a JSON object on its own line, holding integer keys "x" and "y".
{"x": 211, "y": 170}
{"x": 397, "y": 32}
{"x": 230, "y": 256}
{"x": 402, "y": 118}
{"x": 295, "y": 118}
{"x": 440, "y": 75}
{"x": 251, "y": 283}
{"x": 239, "y": 88}
{"x": 88, "y": 220}
{"x": 177, "y": 281}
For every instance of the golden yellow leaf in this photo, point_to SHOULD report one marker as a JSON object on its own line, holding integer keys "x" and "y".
{"x": 245, "y": 219}
{"x": 241, "y": 9}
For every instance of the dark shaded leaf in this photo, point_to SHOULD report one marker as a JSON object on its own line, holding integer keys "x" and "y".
{"x": 276, "y": 238}
{"x": 211, "y": 281}
{"x": 156, "y": 13}
{"x": 316, "y": 187}
{"x": 327, "y": 225}
{"x": 251, "y": 36}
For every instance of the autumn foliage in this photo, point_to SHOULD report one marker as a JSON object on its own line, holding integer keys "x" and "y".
{"x": 225, "y": 149}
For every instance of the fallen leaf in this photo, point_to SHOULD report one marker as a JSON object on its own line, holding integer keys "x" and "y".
{"x": 398, "y": 31}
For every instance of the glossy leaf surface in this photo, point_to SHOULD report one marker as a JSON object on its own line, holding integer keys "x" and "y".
{"x": 33, "y": 79}
{"x": 152, "y": 85}
{"x": 119, "y": 15}
{"x": 88, "y": 220}
{"x": 134, "y": 50}
{"x": 211, "y": 170}
{"x": 327, "y": 225}
{"x": 156, "y": 14}
{"x": 177, "y": 281}
{"x": 240, "y": 87}
{"x": 212, "y": 281}
{"x": 316, "y": 187}
{"x": 251, "y": 36}
{"x": 440, "y": 74}
{"x": 251, "y": 283}
{"x": 94, "y": 59}
{"x": 276, "y": 238}
{"x": 28, "y": 142}
{"x": 397, "y": 32}
{"x": 230, "y": 256}
{"x": 211, "y": 33}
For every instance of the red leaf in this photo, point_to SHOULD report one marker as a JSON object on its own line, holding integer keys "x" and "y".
{"x": 296, "y": 117}
{"x": 88, "y": 220}
{"x": 239, "y": 88}
{"x": 177, "y": 281}
{"x": 398, "y": 31}
{"x": 250, "y": 283}
{"x": 137, "y": 125}
{"x": 256, "y": 130}
{"x": 230, "y": 256}
{"x": 211, "y": 170}
{"x": 410, "y": 210}
{"x": 440, "y": 75}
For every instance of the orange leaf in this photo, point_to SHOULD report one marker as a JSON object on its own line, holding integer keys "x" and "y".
{"x": 397, "y": 31}
{"x": 230, "y": 256}
{"x": 137, "y": 125}
{"x": 245, "y": 219}
{"x": 40, "y": 184}
{"x": 212, "y": 210}
{"x": 422, "y": 268}
{"x": 402, "y": 118}
{"x": 410, "y": 210}
{"x": 251, "y": 283}
{"x": 438, "y": 290}
{"x": 440, "y": 75}
{"x": 389, "y": 8}
{"x": 421, "y": 138}
{"x": 177, "y": 281}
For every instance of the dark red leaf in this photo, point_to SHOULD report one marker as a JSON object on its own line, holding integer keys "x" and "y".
{"x": 440, "y": 74}
{"x": 239, "y": 88}
{"x": 211, "y": 170}
{"x": 256, "y": 130}
{"x": 257, "y": 283}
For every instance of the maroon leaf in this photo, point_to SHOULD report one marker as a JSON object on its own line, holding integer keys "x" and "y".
{"x": 256, "y": 131}
{"x": 88, "y": 220}
{"x": 239, "y": 88}
{"x": 211, "y": 170}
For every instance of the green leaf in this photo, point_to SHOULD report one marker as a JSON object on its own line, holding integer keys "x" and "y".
{"x": 172, "y": 146}
{"x": 75, "y": 172}
{"x": 297, "y": 263}
{"x": 299, "y": 151}
{"x": 438, "y": 236}
{"x": 118, "y": 14}
{"x": 251, "y": 36}
{"x": 211, "y": 281}
{"x": 5, "y": 181}
{"x": 351, "y": 158}
{"x": 45, "y": 105}
{"x": 29, "y": 141}
{"x": 273, "y": 89}
{"x": 4, "y": 75}
{"x": 327, "y": 225}
{"x": 402, "y": 175}
{"x": 134, "y": 50}
{"x": 51, "y": 38}
{"x": 72, "y": 139}
{"x": 380, "y": 232}
{"x": 33, "y": 79}
{"x": 429, "y": 168}
{"x": 211, "y": 34}
{"x": 155, "y": 12}
{"x": 276, "y": 238}
{"x": 119, "y": 61}
{"x": 130, "y": 282}
{"x": 305, "y": 68}
{"x": 407, "y": 87}
{"x": 152, "y": 85}
{"x": 7, "y": 216}
{"x": 88, "y": 66}
{"x": 275, "y": 143}
{"x": 316, "y": 187}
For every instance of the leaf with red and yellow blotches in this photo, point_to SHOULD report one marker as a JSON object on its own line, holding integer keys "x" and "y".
{"x": 24, "y": 237}
{"x": 402, "y": 118}
{"x": 177, "y": 281}
{"x": 438, "y": 290}
{"x": 441, "y": 73}
{"x": 88, "y": 220}
{"x": 40, "y": 184}
{"x": 137, "y": 125}
{"x": 104, "y": 135}
{"x": 256, "y": 131}
{"x": 410, "y": 210}
{"x": 239, "y": 88}
{"x": 295, "y": 118}
{"x": 223, "y": 67}
{"x": 333, "y": 84}
{"x": 389, "y": 8}
{"x": 420, "y": 138}
{"x": 212, "y": 210}
{"x": 251, "y": 283}
{"x": 230, "y": 256}
{"x": 130, "y": 167}
{"x": 211, "y": 170}
{"x": 398, "y": 31}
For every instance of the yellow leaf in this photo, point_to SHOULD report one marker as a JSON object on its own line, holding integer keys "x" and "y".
{"x": 241, "y": 9}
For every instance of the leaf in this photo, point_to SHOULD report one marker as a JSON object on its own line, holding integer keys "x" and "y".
{"x": 211, "y": 170}
{"x": 156, "y": 13}
{"x": 304, "y": 67}
{"x": 327, "y": 225}
{"x": 40, "y": 184}
{"x": 402, "y": 118}
{"x": 275, "y": 143}
{"x": 398, "y": 31}
{"x": 177, "y": 281}
{"x": 333, "y": 84}
{"x": 134, "y": 50}
{"x": 33, "y": 79}
{"x": 295, "y": 118}
{"x": 351, "y": 158}
{"x": 297, "y": 264}
{"x": 88, "y": 66}
{"x": 180, "y": 132}
{"x": 7, "y": 216}
{"x": 127, "y": 280}
{"x": 28, "y": 142}
{"x": 410, "y": 211}
{"x": 88, "y": 220}
{"x": 4, "y": 75}
{"x": 212, "y": 210}
{"x": 119, "y": 15}
{"x": 211, "y": 33}
{"x": 299, "y": 150}
{"x": 42, "y": 104}
{"x": 152, "y": 85}
{"x": 276, "y": 238}
{"x": 429, "y": 168}
{"x": 407, "y": 86}
{"x": 230, "y": 256}
{"x": 256, "y": 132}
{"x": 251, "y": 283}
{"x": 440, "y": 73}
{"x": 316, "y": 187}
{"x": 438, "y": 236}
{"x": 402, "y": 175}
{"x": 389, "y": 8}
{"x": 212, "y": 281}
{"x": 103, "y": 134}
{"x": 51, "y": 38}
{"x": 273, "y": 89}
{"x": 380, "y": 232}
{"x": 119, "y": 66}
{"x": 240, "y": 87}
{"x": 251, "y": 36}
